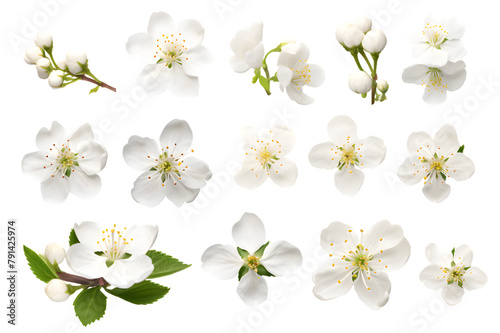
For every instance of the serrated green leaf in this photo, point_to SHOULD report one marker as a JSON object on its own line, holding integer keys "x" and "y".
{"x": 145, "y": 292}
{"x": 260, "y": 252}
{"x": 261, "y": 270}
{"x": 90, "y": 305}
{"x": 243, "y": 253}
{"x": 39, "y": 265}
{"x": 72, "y": 238}
{"x": 243, "y": 270}
{"x": 461, "y": 149}
{"x": 164, "y": 264}
{"x": 94, "y": 90}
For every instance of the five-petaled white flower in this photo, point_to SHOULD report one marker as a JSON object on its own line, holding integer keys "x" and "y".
{"x": 436, "y": 80}
{"x": 117, "y": 256}
{"x": 439, "y": 41}
{"x": 169, "y": 172}
{"x": 248, "y": 48}
{"x": 251, "y": 259}
{"x": 360, "y": 262}
{"x": 452, "y": 272}
{"x": 66, "y": 164}
{"x": 265, "y": 157}
{"x": 174, "y": 54}
{"x": 294, "y": 72}
{"x": 347, "y": 153}
{"x": 435, "y": 160}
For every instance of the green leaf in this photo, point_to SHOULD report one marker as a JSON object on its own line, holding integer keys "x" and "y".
{"x": 164, "y": 264}
{"x": 453, "y": 252}
{"x": 39, "y": 265}
{"x": 145, "y": 292}
{"x": 90, "y": 305}
{"x": 261, "y": 270}
{"x": 265, "y": 83}
{"x": 72, "y": 238}
{"x": 243, "y": 270}
{"x": 94, "y": 90}
{"x": 461, "y": 149}
{"x": 243, "y": 253}
{"x": 261, "y": 250}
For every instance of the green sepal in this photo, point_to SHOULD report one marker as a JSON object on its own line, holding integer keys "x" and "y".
{"x": 453, "y": 252}
{"x": 261, "y": 270}
{"x": 153, "y": 169}
{"x": 163, "y": 178}
{"x": 260, "y": 252}
{"x": 68, "y": 173}
{"x": 40, "y": 266}
{"x": 466, "y": 268}
{"x": 265, "y": 84}
{"x": 243, "y": 270}
{"x": 354, "y": 277}
{"x": 243, "y": 253}
{"x": 461, "y": 149}
{"x": 435, "y": 155}
{"x": 94, "y": 90}
{"x": 453, "y": 264}
{"x": 443, "y": 175}
{"x": 90, "y": 305}
{"x": 145, "y": 292}
{"x": 460, "y": 284}
{"x": 164, "y": 264}
{"x": 72, "y": 237}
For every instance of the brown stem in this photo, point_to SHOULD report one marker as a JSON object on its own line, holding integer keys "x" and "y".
{"x": 81, "y": 280}
{"x": 102, "y": 84}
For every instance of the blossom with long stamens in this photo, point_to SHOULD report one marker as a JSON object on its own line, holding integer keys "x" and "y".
{"x": 360, "y": 262}
{"x": 168, "y": 171}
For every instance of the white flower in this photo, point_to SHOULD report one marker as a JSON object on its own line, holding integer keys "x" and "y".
{"x": 364, "y": 23}
{"x": 349, "y": 35}
{"x": 360, "y": 262}
{"x": 43, "y": 40}
{"x": 32, "y": 55}
{"x": 252, "y": 259}
{"x": 435, "y": 160}
{"x": 66, "y": 164}
{"x": 360, "y": 82}
{"x": 43, "y": 67}
{"x": 452, "y": 272}
{"x": 117, "y": 256}
{"x": 174, "y": 54}
{"x": 57, "y": 290}
{"x": 347, "y": 153}
{"x": 294, "y": 72}
{"x": 374, "y": 41}
{"x": 169, "y": 172}
{"x": 265, "y": 157}
{"x": 248, "y": 48}
{"x": 55, "y": 253}
{"x": 436, "y": 81}
{"x": 439, "y": 41}
{"x": 56, "y": 78}
{"x": 76, "y": 61}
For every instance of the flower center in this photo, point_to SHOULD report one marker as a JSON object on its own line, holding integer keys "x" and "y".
{"x": 170, "y": 49}
{"x": 348, "y": 156}
{"x": 253, "y": 262}
{"x": 435, "y": 35}
{"x": 433, "y": 80}
{"x": 301, "y": 74}
{"x": 66, "y": 160}
{"x": 455, "y": 275}
{"x": 114, "y": 246}
{"x": 437, "y": 167}
{"x": 266, "y": 155}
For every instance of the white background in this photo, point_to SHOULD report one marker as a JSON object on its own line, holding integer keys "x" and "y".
{"x": 227, "y": 101}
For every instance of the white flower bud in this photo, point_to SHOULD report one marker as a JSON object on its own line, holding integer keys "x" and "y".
{"x": 374, "y": 41}
{"x": 382, "y": 86}
{"x": 54, "y": 252}
{"x": 42, "y": 67}
{"x": 57, "y": 290}
{"x": 75, "y": 60}
{"x": 43, "y": 39}
{"x": 32, "y": 55}
{"x": 61, "y": 64}
{"x": 360, "y": 82}
{"x": 364, "y": 23}
{"x": 353, "y": 36}
{"x": 340, "y": 31}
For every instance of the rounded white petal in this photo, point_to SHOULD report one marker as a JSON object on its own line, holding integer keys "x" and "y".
{"x": 192, "y": 31}
{"x": 179, "y": 193}
{"x": 317, "y": 75}
{"x": 285, "y": 138}
{"x": 325, "y": 156}
{"x": 177, "y": 136}
{"x": 140, "y": 153}
{"x": 196, "y": 58}
{"x": 454, "y": 27}
{"x": 374, "y": 41}
{"x": 364, "y": 23}
{"x": 460, "y": 167}
{"x": 38, "y": 165}
{"x": 160, "y": 23}
{"x": 456, "y": 80}
{"x": 283, "y": 172}
{"x": 142, "y": 237}
{"x": 142, "y": 46}
{"x": 249, "y": 233}
{"x": 251, "y": 175}
{"x": 452, "y": 294}
{"x": 55, "y": 253}
{"x": 55, "y": 189}
{"x": 349, "y": 181}
{"x": 88, "y": 233}
{"x": 222, "y": 261}
{"x": 155, "y": 78}
{"x": 393, "y": 258}
{"x": 455, "y": 49}
{"x": 419, "y": 45}
{"x": 342, "y": 129}
{"x": 148, "y": 189}
{"x": 474, "y": 278}
{"x": 415, "y": 74}
{"x": 247, "y": 39}
{"x": 360, "y": 82}
{"x": 124, "y": 273}
{"x": 284, "y": 75}
{"x": 434, "y": 96}
{"x": 254, "y": 56}
{"x": 194, "y": 172}
{"x": 433, "y": 277}
{"x": 446, "y": 140}
{"x": 383, "y": 236}
{"x": 463, "y": 256}
{"x": 436, "y": 190}
{"x": 281, "y": 258}
{"x": 83, "y": 185}
{"x": 296, "y": 94}
{"x": 353, "y": 36}
{"x": 92, "y": 158}
{"x": 32, "y": 55}
{"x": 371, "y": 152}
{"x": 181, "y": 84}
{"x": 75, "y": 59}
{"x": 46, "y": 138}
{"x": 420, "y": 140}
{"x": 338, "y": 238}
{"x": 83, "y": 261}
{"x": 411, "y": 171}
{"x": 252, "y": 289}
{"x": 238, "y": 64}
{"x": 374, "y": 292}
{"x": 340, "y": 31}
{"x": 57, "y": 290}
{"x": 437, "y": 256}
{"x": 332, "y": 278}
{"x": 55, "y": 79}
{"x": 433, "y": 57}
{"x": 81, "y": 136}
{"x": 292, "y": 53}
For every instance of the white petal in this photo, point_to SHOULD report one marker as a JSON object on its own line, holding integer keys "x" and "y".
{"x": 251, "y": 175}
{"x": 285, "y": 137}
{"x": 252, "y": 289}
{"x": 254, "y": 57}
{"x": 88, "y": 233}
{"x": 338, "y": 239}
{"x": 452, "y": 294}
{"x": 433, "y": 277}
{"x": 411, "y": 170}
{"x": 46, "y": 138}
{"x": 454, "y": 27}
{"x": 460, "y": 167}
{"x": 160, "y": 23}
{"x": 92, "y": 158}
{"x": 433, "y": 57}
{"x": 455, "y": 48}
{"x": 124, "y": 273}
{"x": 434, "y": 96}
{"x": 142, "y": 46}
{"x": 420, "y": 140}
{"x": 415, "y": 74}
{"x": 474, "y": 278}
{"x": 83, "y": 261}
{"x": 247, "y": 39}
{"x": 436, "y": 190}
{"x": 82, "y": 135}
{"x": 194, "y": 172}
{"x": 39, "y": 166}
{"x": 437, "y": 256}
{"x": 454, "y": 81}
{"x": 375, "y": 293}
{"x": 419, "y": 46}
{"x": 393, "y": 258}
{"x": 281, "y": 258}
{"x": 238, "y": 64}
{"x": 292, "y": 53}
{"x": 371, "y": 152}
{"x": 283, "y": 172}
{"x": 196, "y": 58}
{"x": 177, "y": 136}
{"x": 383, "y": 236}
{"x": 342, "y": 129}
{"x": 179, "y": 193}
{"x": 332, "y": 279}
{"x": 55, "y": 189}
{"x": 249, "y": 233}
{"x": 155, "y": 78}
{"x": 296, "y": 94}
{"x": 148, "y": 189}
{"x": 452, "y": 67}
{"x": 284, "y": 75}
{"x": 463, "y": 256}
{"x": 83, "y": 185}
{"x": 317, "y": 75}
{"x": 143, "y": 237}
{"x": 182, "y": 85}
{"x": 446, "y": 140}
{"x": 140, "y": 153}
{"x": 222, "y": 261}
{"x": 325, "y": 156}
{"x": 349, "y": 181}
{"x": 192, "y": 32}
